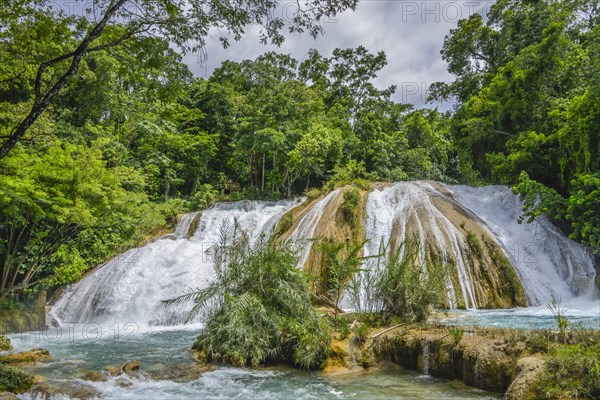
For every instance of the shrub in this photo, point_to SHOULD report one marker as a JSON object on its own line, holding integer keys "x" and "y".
{"x": 360, "y": 334}
{"x": 399, "y": 284}
{"x": 457, "y": 334}
{"x": 285, "y": 223}
{"x": 203, "y": 197}
{"x": 474, "y": 244}
{"x": 559, "y": 314}
{"x": 350, "y": 205}
{"x": 14, "y": 380}
{"x": 258, "y": 309}
{"x": 340, "y": 261}
{"x": 312, "y": 194}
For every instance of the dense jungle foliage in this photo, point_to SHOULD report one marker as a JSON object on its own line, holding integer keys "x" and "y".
{"x": 130, "y": 137}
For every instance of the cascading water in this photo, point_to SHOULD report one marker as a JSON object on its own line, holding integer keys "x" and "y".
{"x": 130, "y": 287}
{"x": 549, "y": 264}
{"x": 182, "y": 229}
{"x": 406, "y": 211}
{"x": 426, "y": 357}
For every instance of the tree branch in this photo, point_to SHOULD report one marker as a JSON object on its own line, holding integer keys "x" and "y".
{"x": 41, "y": 103}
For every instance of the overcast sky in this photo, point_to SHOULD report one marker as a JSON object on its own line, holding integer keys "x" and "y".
{"x": 411, "y": 33}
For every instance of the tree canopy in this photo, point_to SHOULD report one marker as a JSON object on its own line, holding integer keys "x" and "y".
{"x": 106, "y": 134}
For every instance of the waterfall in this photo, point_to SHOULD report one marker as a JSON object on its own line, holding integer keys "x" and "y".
{"x": 182, "y": 229}
{"x": 130, "y": 287}
{"x": 548, "y": 263}
{"x": 426, "y": 357}
{"x": 408, "y": 210}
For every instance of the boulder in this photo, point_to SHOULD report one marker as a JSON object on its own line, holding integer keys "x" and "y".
{"x": 131, "y": 367}
{"x": 27, "y": 358}
{"x": 112, "y": 370}
{"x": 179, "y": 372}
{"x": 528, "y": 371}
{"x": 5, "y": 343}
{"x": 95, "y": 376}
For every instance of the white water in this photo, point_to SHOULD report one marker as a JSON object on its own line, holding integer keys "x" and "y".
{"x": 130, "y": 287}
{"x": 166, "y": 349}
{"x": 183, "y": 226}
{"x": 426, "y": 357}
{"x": 549, "y": 264}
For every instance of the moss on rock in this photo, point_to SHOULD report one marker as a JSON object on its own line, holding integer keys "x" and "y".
{"x": 5, "y": 343}
{"x": 26, "y": 358}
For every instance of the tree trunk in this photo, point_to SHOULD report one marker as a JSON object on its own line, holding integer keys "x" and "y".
{"x": 263, "y": 172}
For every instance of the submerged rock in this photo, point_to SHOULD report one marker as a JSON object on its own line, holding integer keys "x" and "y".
{"x": 131, "y": 367}
{"x": 179, "y": 372}
{"x": 95, "y": 376}
{"x": 69, "y": 389}
{"x": 112, "y": 370}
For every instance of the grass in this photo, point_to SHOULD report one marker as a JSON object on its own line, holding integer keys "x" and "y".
{"x": 572, "y": 371}
{"x": 399, "y": 284}
{"x": 474, "y": 244}
{"x": 350, "y": 205}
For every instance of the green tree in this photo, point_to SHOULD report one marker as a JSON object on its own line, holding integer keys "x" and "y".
{"x": 184, "y": 23}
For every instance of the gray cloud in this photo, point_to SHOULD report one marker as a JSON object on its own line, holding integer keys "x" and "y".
{"x": 411, "y": 33}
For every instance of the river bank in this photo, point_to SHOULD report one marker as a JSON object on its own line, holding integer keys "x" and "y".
{"x": 521, "y": 364}
{"x": 24, "y": 314}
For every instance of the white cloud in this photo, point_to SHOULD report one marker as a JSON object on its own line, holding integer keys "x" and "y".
{"x": 411, "y": 33}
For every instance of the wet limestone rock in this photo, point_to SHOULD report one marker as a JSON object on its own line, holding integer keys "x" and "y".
{"x": 132, "y": 367}
{"x": 478, "y": 358}
{"x": 528, "y": 371}
{"x": 95, "y": 376}
{"x": 8, "y": 396}
{"x": 27, "y": 358}
{"x": 179, "y": 372}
